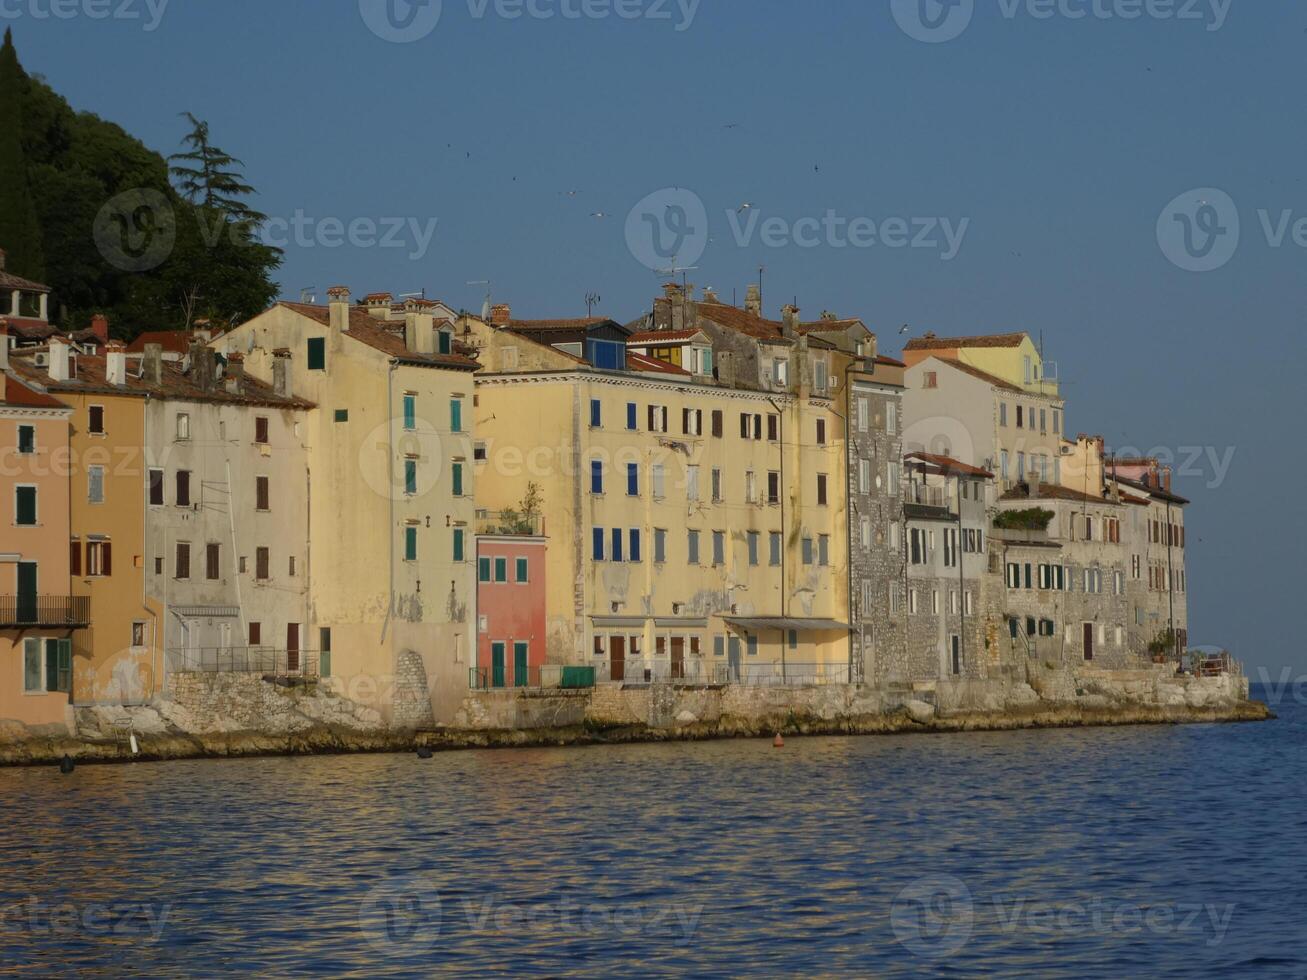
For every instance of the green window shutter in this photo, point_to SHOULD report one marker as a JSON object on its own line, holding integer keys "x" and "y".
{"x": 410, "y": 544}
{"x": 501, "y": 569}
{"x": 66, "y": 666}
{"x": 410, "y": 412}
{"x": 443, "y": 336}
{"x": 410, "y": 476}
{"x": 342, "y": 415}
{"x": 458, "y": 544}
{"x": 458, "y": 479}
{"x": 456, "y": 415}
{"x": 483, "y": 569}
{"x": 52, "y": 665}
{"x": 317, "y": 354}
{"x": 26, "y": 508}
{"x": 521, "y": 569}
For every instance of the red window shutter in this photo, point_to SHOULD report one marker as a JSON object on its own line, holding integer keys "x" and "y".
{"x": 75, "y": 558}
{"x": 106, "y": 550}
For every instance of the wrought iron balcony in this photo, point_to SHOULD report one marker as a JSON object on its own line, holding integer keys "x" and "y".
{"x": 46, "y": 611}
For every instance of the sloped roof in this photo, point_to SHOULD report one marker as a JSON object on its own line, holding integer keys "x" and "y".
{"x": 663, "y": 336}
{"x": 28, "y": 328}
{"x": 639, "y": 362}
{"x": 10, "y": 281}
{"x": 17, "y": 393}
{"x": 575, "y": 323}
{"x": 173, "y": 341}
{"x": 742, "y": 321}
{"x": 1157, "y": 492}
{"x": 975, "y": 372}
{"x": 931, "y": 342}
{"x": 1054, "y": 491}
{"x": 950, "y": 465}
{"x": 385, "y": 336}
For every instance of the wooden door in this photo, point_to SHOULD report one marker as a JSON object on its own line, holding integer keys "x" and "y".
{"x": 617, "y": 658}
{"x": 292, "y": 647}
{"x": 1089, "y": 641}
{"x": 521, "y": 674}
{"x": 678, "y": 658}
{"x": 27, "y": 592}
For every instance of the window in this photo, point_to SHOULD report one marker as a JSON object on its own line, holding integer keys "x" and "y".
{"x": 460, "y": 544}
{"x": 633, "y": 552}
{"x": 692, "y": 421}
{"x": 342, "y": 415}
{"x": 773, "y": 428}
{"x": 823, "y": 549}
{"x": 456, "y": 415}
{"x": 863, "y": 414}
{"x": 317, "y": 353}
{"x": 99, "y": 559}
{"x": 891, "y": 418}
{"x": 633, "y": 479}
{"x": 1043, "y": 420}
{"x": 261, "y": 429}
{"x": 410, "y": 543}
{"x": 290, "y": 566}
{"x": 774, "y": 549}
{"x": 773, "y": 487}
{"x": 95, "y": 420}
{"x": 47, "y": 665}
{"x": 807, "y": 551}
{"x": 597, "y": 541}
{"x": 456, "y": 477}
{"x": 596, "y": 476}
{"x": 657, "y": 418}
{"x": 719, "y": 646}
{"x": 631, "y": 415}
{"x": 444, "y": 343}
{"x": 183, "y": 426}
{"x": 138, "y": 634}
{"x": 657, "y": 479}
{"x": 183, "y": 488}
{"x": 930, "y": 379}
{"x": 821, "y": 489}
{"x": 692, "y": 483}
{"x": 212, "y": 561}
{"x": 616, "y": 553}
{"x": 692, "y": 547}
{"x": 26, "y": 440}
{"x": 501, "y": 570}
{"x": 1019, "y": 416}
{"x": 864, "y": 526}
{"x": 95, "y": 484}
{"x": 821, "y": 432}
{"x": 750, "y": 487}
{"x": 912, "y": 602}
{"x": 717, "y": 424}
{"x": 25, "y": 506}
{"x": 596, "y": 413}
{"x": 262, "y": 564}
{"x": 780, "y": 372}
{"x": 262, "y": 496}
{"x": 894, "y": 597}
{"x": 716, "y": 485}
{"x": 520, "y": 567}
{"x": 864, "y": 476}
{"x": 483, "y": 569}
{"x": 934, "y": 602}
{"x": 893, "y": 471}
{"x": 718, "y": 548}
{"x": 181, "y": 565}
{"x": 752, "y": 538}
{"x": 411, "y": 477}
{"x": 1002, "y": 413}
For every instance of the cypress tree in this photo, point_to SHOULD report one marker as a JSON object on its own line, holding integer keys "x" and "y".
{"x": 20, "y": 233}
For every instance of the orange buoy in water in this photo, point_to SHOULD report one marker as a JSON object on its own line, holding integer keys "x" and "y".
{"x": 778, "y": 742}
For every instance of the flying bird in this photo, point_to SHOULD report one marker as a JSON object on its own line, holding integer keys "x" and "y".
{"x": 744, "y": 207}
{"x": 598, "y": 214}
{"x": 903, "y": 329}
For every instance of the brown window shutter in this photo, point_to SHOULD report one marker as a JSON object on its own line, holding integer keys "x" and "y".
{"x": 717, "y": 424}
{"x": 256, "y": 630}
{"x": 651, "y": 419}
{"x": 75, "y": 558}
{"x": 261, "y": 493}
{"x": 685, "y": 421}
{"x": 106, "y": 549}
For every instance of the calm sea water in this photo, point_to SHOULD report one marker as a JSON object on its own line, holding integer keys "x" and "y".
{"x": 1129, "y": 852}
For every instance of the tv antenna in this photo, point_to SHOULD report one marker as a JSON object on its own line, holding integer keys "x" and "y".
{"x": 309, "y": 294}
{"x": 591, "y": 301}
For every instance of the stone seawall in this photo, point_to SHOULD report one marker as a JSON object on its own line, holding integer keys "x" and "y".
{"x": 228, "y": 715}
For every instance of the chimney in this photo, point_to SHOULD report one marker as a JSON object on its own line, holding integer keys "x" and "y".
{"x": 418, "y": 332}
{"x": 753, "y": 299}
{"x": 378, "y": 305}
{"x": 4, "y": 335}
{"x": 115, "y": 363}
{"x": 676, "y": 295}
{"x": 58, "y": 359}
{"x": 501, "y": 314}
{"x": 339, "y": 306}
{"x": 152, "y": 364}
{"x": 235, "y": 373}
{"x": 790, "y": 320}
{"x": 726, "y": 368}
{"x": 100, "y": 327}
{"x": 281, "y": 372}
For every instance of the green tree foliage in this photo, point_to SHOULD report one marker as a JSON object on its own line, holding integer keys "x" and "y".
{"x": 207, "y": 176}
{"x": 79, "y": 164}
{"x": 20, "y": 232}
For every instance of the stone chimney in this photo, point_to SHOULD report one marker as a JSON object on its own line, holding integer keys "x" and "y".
{"x": 790, "y": 320}
{"x": 235, "y": 373}
{"x": 281, "y": 372}
{"x": 115, "y": 363}
{"x": 726, "y": 368}
{"x": 418, "y": 333}
{"x": 100, "y": 327}
{"x": 59, "y": 365}
{"x": 152, "y": 364}
{"x": 378, "y": 305}
{"x": 501, "y": 314}
{"x": 338, "y": 297}
{"x": 753, "y": 299}
{"x": 676, "y": 296}
{"x": 4, "y": 336}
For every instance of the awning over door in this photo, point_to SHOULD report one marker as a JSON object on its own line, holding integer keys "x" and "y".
{"x": 785, "y": 623}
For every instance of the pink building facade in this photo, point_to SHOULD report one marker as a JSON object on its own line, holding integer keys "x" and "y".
{"x": 510, "y": 611}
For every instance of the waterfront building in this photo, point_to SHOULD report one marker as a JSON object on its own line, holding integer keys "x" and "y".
{"x": 391, "y": 510}
{"x": 511, "y": 613}
{"x": 39, "y": 616}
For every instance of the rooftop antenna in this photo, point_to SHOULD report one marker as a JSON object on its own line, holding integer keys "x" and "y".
{"x": 309, "y": 294}
{"x": 591, "y": 301}
{"x": 485, "y": 307}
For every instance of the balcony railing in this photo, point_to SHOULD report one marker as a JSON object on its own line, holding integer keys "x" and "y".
{"x": 509, "y": 522}
{"x": 51, "y": 611}
{"x": 269, "y": 661}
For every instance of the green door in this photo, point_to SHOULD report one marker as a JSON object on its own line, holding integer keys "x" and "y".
{"x": 27, "y": 592}
{"x": 520, "y": 673}
{"x": 497, "y": 651}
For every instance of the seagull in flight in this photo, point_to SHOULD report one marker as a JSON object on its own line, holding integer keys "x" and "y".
{"x": 598, "y": 214}
{"x": 747, "y": 205}
{"x": 903, "y": 329}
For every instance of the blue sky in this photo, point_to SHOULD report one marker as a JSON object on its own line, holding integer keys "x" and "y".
{"x": 1058, "y": 140}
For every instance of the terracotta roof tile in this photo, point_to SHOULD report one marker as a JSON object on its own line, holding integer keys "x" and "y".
{"x": 10, "y": 281}
{"x": 29, "y": 328}
{"x": 17, "y": 393}
{"x": 578, "y": 323}
{"x": 638, "y": 362}
{"x": 173, "y": 341}
{"x": 385, "y": 336}
{"x": 950, "y": 465}
{"x": 1054, "y": 491}
{"x": 663, "y": 336}
{"x": 950, "y": 343}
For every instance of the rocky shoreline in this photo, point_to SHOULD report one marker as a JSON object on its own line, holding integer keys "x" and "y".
{"x": 333, "y": 738}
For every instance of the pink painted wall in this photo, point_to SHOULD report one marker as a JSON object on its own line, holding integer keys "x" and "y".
{"x": 511, "y": 611}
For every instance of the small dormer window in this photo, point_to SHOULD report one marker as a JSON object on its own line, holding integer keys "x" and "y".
{"x": 444, "y": 342}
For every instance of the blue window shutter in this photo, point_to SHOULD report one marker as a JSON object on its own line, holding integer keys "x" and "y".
{"x": 598, "y": 544}
{"x": 596, "y": 413}
{"x": 635, "y": 544}
{"x": 596, "y": 476}
{"x": 633, "y": 479}
{"x": 617, "y": 544}
{"x": 631, "y": 415}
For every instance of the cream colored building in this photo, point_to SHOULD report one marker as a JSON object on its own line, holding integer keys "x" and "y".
{"x": 390, "y": 494}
